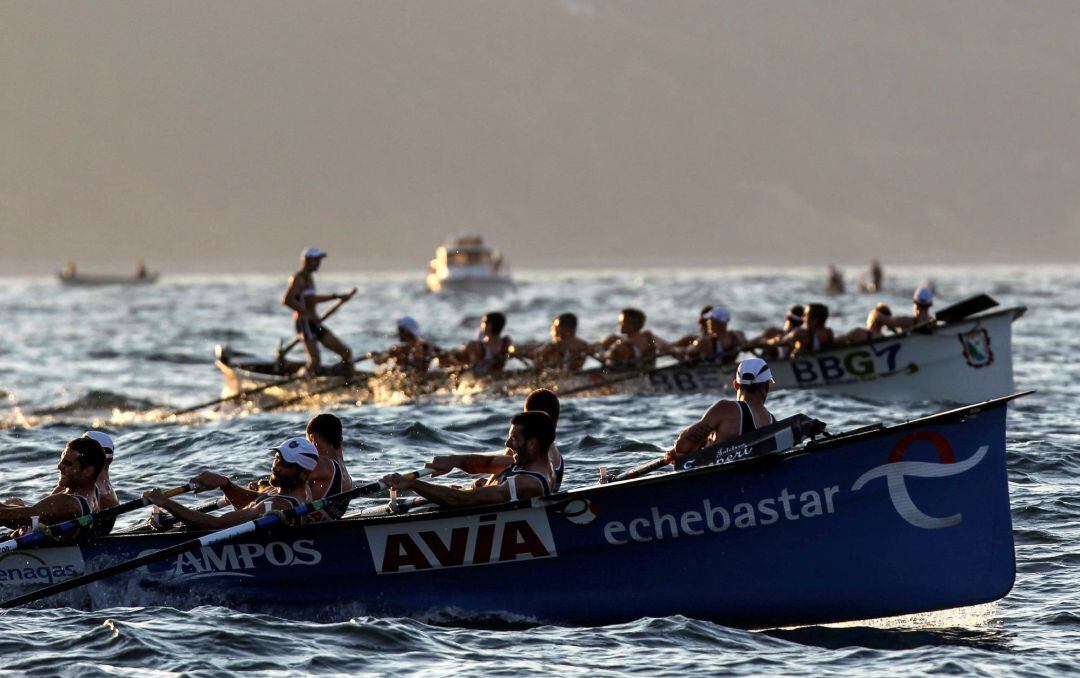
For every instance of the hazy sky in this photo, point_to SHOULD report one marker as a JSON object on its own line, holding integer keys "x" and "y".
{"x": 207, "y": 135}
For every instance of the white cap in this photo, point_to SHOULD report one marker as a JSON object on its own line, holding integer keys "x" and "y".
{"x": 103, "y": 440}
{"x": 407, "y": 323}
{"x": 753, "y": 371}
{"x": 924, "y": 296}
{"x": 313, "y": 253}
{"x": 720, "y": 314}
{"x": 298, "y": 451}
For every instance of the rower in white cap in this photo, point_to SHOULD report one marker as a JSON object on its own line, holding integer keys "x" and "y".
{"x": 412, "y": 356}
{"x": 294, "y": 460}
{"x": 921, "y": 301}
{"x": 728, "y": 419}
{"x": 717, "y": 344}
{"x": 302, "y": 298}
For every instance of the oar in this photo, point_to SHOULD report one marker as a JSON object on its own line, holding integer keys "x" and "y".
{"x": 236, "y": 396}
{"x": 229, "y": 533}
{"x": 400, "y": 506}
{"x": 167, "y": 521}
{"x": 50, "y": 532}
{"x": 329, "y": 312}
{"x": 322, "y": 391}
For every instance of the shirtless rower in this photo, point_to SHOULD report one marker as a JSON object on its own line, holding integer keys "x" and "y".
{"x": 330, "y": 476}
{"x": 768, "y": 339}
{"x": 566, "y": 352}
{"x": 294, "y": 460}
{"x": 302, "y": 298}
{"x": 531, "y": 435}
{"x": 540, "y": 400}
{"x": 874, "y": 329}
{"x": 688, "y": 339}
{"x": 80, "y": 465}
{"x": 921, "y": 316}
{"x": 717, "y": 344}
{"x": 636, "y": 347}
{"x": 488, "y": 352}
{"x": 412, "y": 356}
{"x": 815, "y": 336}
{"x": 728, "y": 419}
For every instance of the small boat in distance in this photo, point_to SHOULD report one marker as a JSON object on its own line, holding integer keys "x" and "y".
{"x": 467, "y": 264}
{"x": 70, "y": 277}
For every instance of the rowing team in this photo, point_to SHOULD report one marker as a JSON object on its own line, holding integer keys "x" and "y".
{"x": 310, "y": 467}
{"x": 805, "y": 330}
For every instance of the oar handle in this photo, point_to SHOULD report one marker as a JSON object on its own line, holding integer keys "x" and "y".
{"x": 57, "y": 530}
{"x": 257, "y": 524}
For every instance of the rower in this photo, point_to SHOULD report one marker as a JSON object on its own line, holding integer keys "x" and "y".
{"x": 815, "y": 336}
{"x": 302, "y": 298}
{"x": 412, "y": 356}
{"x": 540, "y": 400}
{"x": 920, "y": 316}
{"x": 104, "y": 489}
{"x": 728, "y": 419}
{"x": 566, "y": 352}
{"x": 80, "y": 465}
{"x": 489, "y": 351}
{"x": 835, "y": 282}
{"x": 769, "y": 340}
{"x": 717, "y": 344}
{"x": 294, "y": 460}
{"x": 874, "y": 329}
{"x": 688, "y": 339}
{"x": 636, "y": 348}
{"x": 330, "y": 475}
{"x": 530, "y": 437}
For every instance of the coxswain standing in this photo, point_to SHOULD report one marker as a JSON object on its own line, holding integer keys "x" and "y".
{"x": 294, "y": 460}
{"x": 330, "y": 475}
{"x": 302, "y": 298}
{"x": 728, "y": 419}
{"x": 80, "y": 465}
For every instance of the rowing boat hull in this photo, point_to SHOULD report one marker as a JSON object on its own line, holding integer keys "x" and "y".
{"x": 909, "y": 518}
{"x": 80, "y": 280}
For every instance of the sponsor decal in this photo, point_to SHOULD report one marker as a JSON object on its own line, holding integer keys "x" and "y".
{"x": 786, "y": 506}
{"x": 20, "y": 568}
{"x": 869, "y": 362}
{"x": 578, "y": 511}
{"x": 507, "y": 536}
{"x": 976, "y": 345}
{"x": 896, "y": 470}
{"x": 691, "y": 381}
{"x": 237, "y": 560}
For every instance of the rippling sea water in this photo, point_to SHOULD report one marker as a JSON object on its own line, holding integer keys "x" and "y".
{"x": 115, "y": 357}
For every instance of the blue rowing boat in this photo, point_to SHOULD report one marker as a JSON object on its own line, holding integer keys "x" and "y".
{"x": 883, "y": 521}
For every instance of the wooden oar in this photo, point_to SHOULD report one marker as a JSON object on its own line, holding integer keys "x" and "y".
{"x": 50, "y": 532}
{"x": 962, "y": 309}
{"x": 256, "y": 525}
{"x": 236, "y": 396}
{"x": 329, "y": 312}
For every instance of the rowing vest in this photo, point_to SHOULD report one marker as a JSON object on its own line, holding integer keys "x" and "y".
{"x": 558, "y": 471}
{"x": 335, "y": 509}
{"x": 102, "y": 527}
{"x": 513, "y": 471}
{"x": 264, "y": 499}
{"x": 746, "y": 418}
